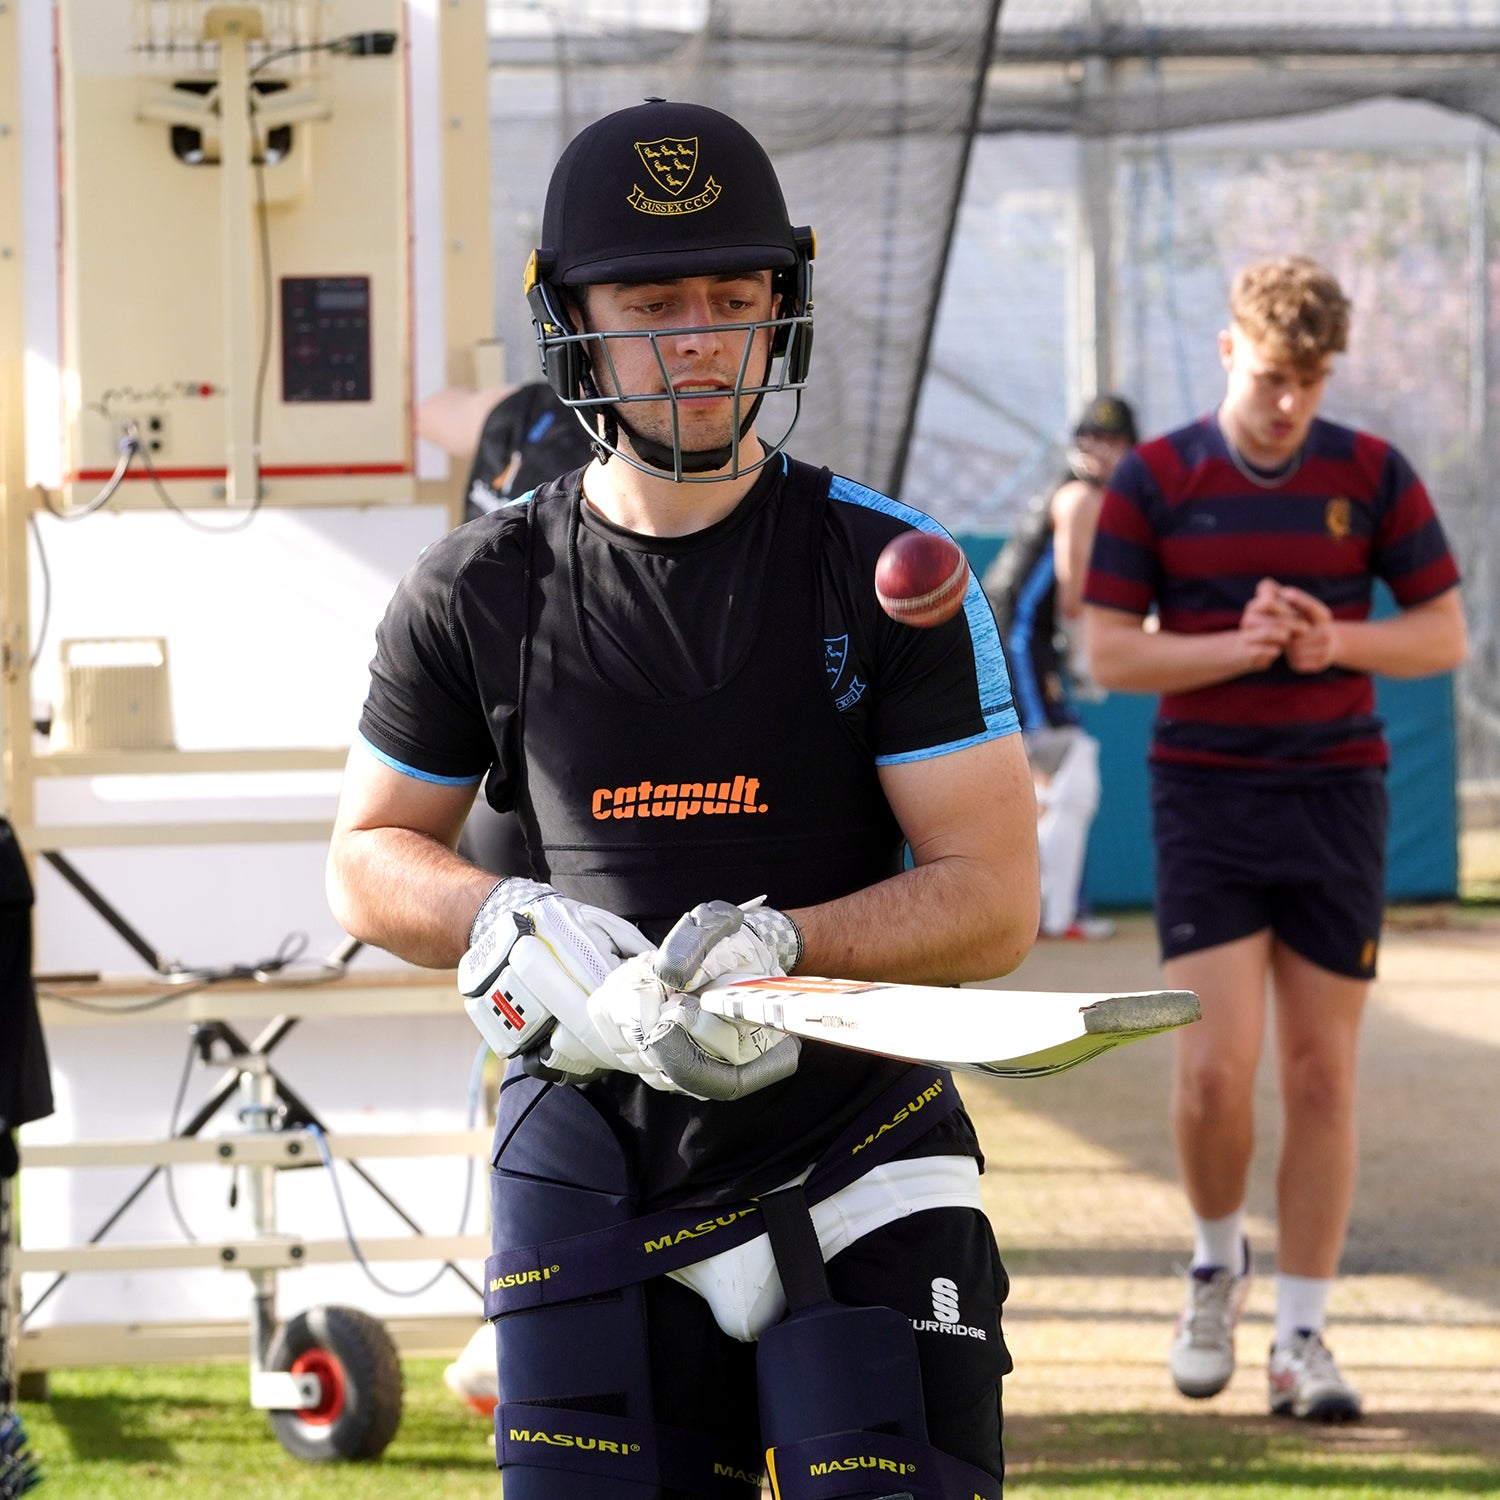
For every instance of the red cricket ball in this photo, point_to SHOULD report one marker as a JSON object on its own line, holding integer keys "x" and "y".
{"x": 921, "y": 578}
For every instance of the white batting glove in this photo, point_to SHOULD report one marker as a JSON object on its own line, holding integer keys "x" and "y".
{"x": 663, "y": 1037}
{"x": 622, "y": 1010}
{"x": 633, "y": 1006}
{"x": 732, "y": 1042}
{"x": 516, "y": 893}
{"x": 741, "y": 953}
{"x": 534, "y": 957}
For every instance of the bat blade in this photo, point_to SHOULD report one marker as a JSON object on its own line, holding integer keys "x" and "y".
{"x": 1006, "y": 1033}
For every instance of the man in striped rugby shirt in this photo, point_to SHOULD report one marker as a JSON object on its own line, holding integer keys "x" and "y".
{"x": 1232, "y": 574}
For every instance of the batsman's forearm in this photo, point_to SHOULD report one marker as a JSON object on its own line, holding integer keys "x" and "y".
{"x": 406, "y": 893}
{"x": 947, "y": 922}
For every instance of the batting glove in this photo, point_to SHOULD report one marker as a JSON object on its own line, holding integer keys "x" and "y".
{"x": 707, "y": 1055}
{"x": 534, "y": 957}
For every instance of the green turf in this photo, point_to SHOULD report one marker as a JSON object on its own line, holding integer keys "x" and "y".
{"x": 158, "y": 1431}
{"x": 1156, "y": 1456}
{"x": 118, "y": 1433}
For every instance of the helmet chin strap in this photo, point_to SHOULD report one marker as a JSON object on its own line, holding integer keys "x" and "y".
{"x": 664, "y": 455}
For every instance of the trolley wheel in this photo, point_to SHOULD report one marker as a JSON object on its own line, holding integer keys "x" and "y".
{"x": 360, "y": 1374}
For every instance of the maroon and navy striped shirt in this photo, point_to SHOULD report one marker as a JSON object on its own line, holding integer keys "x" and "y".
{"x": 1184, "y": 530}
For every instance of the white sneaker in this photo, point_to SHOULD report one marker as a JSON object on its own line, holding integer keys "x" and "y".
{"x": 1305, "y": 1382}
{"x": 472, "y": 1376}
{"x": 1201, "y": 1358}
{"x": 1083, "y": 930}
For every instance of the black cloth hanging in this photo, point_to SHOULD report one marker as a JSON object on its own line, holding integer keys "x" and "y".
{"x": 25, "y": 1080}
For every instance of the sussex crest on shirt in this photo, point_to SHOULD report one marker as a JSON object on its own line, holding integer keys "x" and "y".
{"x": 1338, "y": 517}
{"x": 843, "y": 679}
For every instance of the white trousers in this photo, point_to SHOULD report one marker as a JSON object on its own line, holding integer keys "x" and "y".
{"x": 1067, "y": 804}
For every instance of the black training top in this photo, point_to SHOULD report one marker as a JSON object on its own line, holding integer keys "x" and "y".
{"x": 528, "y": 438}
{"x": 682, "y": 719}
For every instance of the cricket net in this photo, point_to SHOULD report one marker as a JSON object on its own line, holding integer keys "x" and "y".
{"x": 1014, "y": 213}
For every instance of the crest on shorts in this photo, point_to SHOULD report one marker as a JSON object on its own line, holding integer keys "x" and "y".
{"x": 1338, "y": 518}
{"x": 672, "y": 163}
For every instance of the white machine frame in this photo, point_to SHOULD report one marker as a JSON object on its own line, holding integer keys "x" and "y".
{"x": 450, "y": 282}
{"x": 259, "y": 1151}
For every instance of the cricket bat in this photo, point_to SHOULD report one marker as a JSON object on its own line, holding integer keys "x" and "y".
{"x": 1005, "y": 1033}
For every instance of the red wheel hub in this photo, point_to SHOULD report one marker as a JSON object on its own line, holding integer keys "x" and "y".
{"x": 330, "y": 1375}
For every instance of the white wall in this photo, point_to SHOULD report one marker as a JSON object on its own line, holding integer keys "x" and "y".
{"x": 270, "y": 630}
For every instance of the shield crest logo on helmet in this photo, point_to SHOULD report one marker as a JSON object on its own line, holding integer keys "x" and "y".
{"x": 670, "y": 162}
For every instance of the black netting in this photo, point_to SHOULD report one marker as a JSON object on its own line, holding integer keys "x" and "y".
{"x": 1174, "y": 138}
{"x": 866, "y": 107}
{"x": 1412, "y": 229}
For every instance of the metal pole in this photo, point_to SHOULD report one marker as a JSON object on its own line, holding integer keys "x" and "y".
{"x": 233, "y": 27}
{"x": 1092, "y": 368}
{"x": 257, "y": 1116}
{"x": 1479, "y": 595}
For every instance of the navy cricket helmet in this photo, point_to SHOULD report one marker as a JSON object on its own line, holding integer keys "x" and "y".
{"x": 654, "y": 193}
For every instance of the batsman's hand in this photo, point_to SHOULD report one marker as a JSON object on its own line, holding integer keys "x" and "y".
{"x": 704, "y": 1054}
{"x": 534, "y": 957}
{"x": 622, "y": 1011}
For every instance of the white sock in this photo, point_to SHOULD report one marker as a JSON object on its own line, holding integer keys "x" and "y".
{"x": 1220, "y": 1242}
{"x": 1301, "y": 1303}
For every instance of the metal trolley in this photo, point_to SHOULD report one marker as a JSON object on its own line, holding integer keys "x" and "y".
{"x": 329, "y": 1377}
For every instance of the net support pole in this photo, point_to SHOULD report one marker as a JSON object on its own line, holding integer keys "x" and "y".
{"x": 902, "y": 455}
{"x": 1091, "y": 353}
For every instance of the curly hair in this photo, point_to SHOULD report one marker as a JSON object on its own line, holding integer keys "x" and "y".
{"x": 1293, "y": 306}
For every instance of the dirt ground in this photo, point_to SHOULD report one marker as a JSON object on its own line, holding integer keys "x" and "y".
{"x": 1081, "y": 1185}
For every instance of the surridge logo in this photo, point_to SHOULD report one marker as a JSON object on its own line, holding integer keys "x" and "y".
{"x": 671, "y": 161}
{"x": 945, "y": 1299}
{"x": 945, "y": 1314}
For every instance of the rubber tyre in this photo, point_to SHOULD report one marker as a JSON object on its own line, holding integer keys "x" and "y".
{"x": 354, "y": 1357}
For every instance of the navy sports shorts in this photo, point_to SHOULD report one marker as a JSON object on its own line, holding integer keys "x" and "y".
{"x": 1234, "y": 857}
